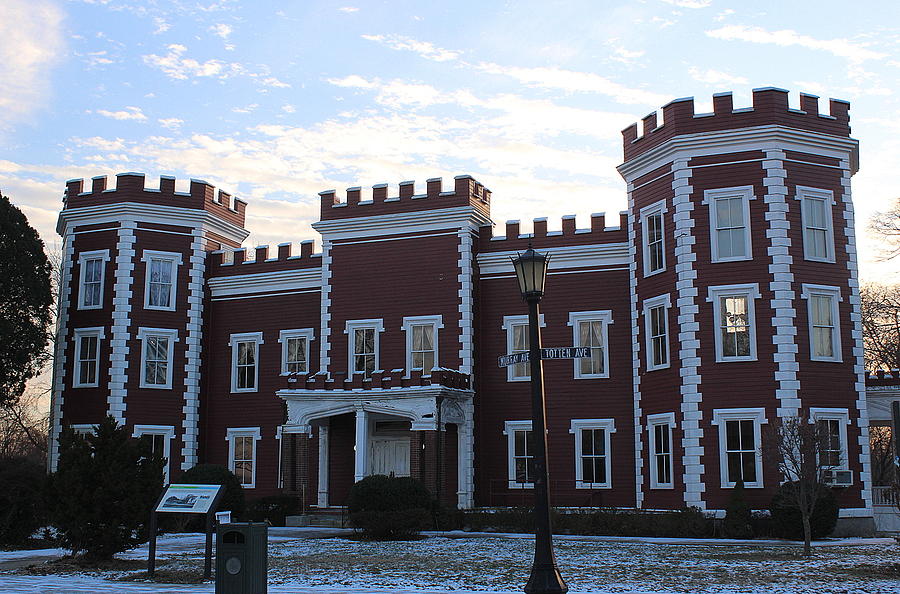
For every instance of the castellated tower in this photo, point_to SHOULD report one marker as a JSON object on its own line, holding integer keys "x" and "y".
{"x": 131, "y": 307}
{"x": 742, "y": 235}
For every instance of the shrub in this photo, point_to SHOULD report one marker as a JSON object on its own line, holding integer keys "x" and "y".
{"x": 738, "y": 514}
{"x": 389, "y": 508}
{"x": 104, "y": 490}
{"x": 273, "y": 508}
{"x": 22, "y": 509}
{"x": 788, "y": 522}
{"x": 210, "y": 474}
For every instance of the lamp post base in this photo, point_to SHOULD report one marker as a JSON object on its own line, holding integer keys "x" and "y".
{"x": 545, "y": 579}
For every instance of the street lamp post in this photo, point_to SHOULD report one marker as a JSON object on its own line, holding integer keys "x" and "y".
{"x": 531, "y": 271}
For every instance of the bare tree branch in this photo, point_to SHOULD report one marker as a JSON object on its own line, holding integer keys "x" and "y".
{"x": 880, "y": 308}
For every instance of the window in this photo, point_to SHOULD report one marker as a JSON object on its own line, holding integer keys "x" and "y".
{"x": 592, "y": 452}
{"x": 740, "y": 445}
{"x": 159, "y": 439}
{"x": 245, "y": 361}
{"x": 516, "y": 328}
{"x": 656, "y": 330}
{"x": 735, "y": 320}
{"x": 520, "y": 449}
{"x": 242, "y": 454}
{"x": 84, "y": 429}
{"x": 824, "y": 326}
{"x": 161, "y": 276}
{"x": 729, "y": 223}
{"x": 92, "y": 266}
{"x": 87, "y": 355}
{"x": 660, "y": 428}
{"x": 831, "y": 427}
{"x": 295, "y": 350}
{"x": 815, "y": 211}
{"x": 421, "y": 342}
{"x": 158, "y": 345}
{"x": 364, "y": 345}
{"x": 589, "y": 329}
{"x": 654, "y": 241}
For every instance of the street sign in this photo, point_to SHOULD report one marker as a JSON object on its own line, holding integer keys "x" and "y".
{"x": 549, "y": 353}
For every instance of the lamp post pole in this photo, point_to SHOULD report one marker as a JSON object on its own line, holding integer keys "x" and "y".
{"x": 531, "y": 272}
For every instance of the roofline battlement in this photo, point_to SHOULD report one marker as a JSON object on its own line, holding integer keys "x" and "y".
{"x": 130, "y": 187}
{"x": 466, "y": 191}
{"x": 770, "y": 106}
{"x": 569, "y": 234}
{"x": 235, "y": 261}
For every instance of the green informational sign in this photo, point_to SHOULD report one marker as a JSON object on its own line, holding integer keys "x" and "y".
{"x": 188, "y": 499}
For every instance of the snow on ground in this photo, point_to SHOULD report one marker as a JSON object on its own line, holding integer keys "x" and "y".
{"x": 324, "y": 561}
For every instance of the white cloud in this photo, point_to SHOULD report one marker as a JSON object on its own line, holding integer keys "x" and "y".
{"x": 161, "y": 25}
{"x": 716, "y": 77}
{"x": 174, "y": 65}
{"x": 98, "y": 59}
{"x": 353, "y": 81}
{"x": 348, "y": 9}
{"x": 689, "y": 3}
{"x": 425, "y": 49}
{"x": 222, "y": 30}
{"x": 271, "y": 81}
{"x": 246, "y": 109}
{"x": 288, "y": 108}
{"x": 170, "y": 123}
{"x": 786, "y": 37}
{"x": 129, "y": 113}
{"x": 31, "y": 42}
{"x": 724, "y": 14}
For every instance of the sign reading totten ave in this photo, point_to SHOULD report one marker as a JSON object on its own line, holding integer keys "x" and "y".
{"x": 551, "y": 353}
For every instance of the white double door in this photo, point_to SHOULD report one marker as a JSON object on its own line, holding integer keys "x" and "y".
{"x": 389, "y": 455}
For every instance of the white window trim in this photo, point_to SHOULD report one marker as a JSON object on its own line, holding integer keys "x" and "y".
{"x": 257, "y": 339}
{"x": 175, "y": 257}
{"x": 436, "y": 322}
{"x": 233, "y": 432}
{"x": 804, "y": 192}
{"x": 509, "y": 429}
{"x": 842, "y": 416}
{"x": 508, "y": 323}
{"x": 97, "y": 331}
{"x": 352, "y": 325}
{"x": 751, "y": 291}
{"x": 810, "y": 290}
{"x": 609, "y": 427}
{"x": 168, "y": 433}
{"x": 653, "y": 421}
{"x": 284, "y": 335}
{"x": 758, "y": 416}
{"x": 665, "y": 301}
{"x": 83, "y": 257}
{"x": 605, "y": 317}
{"x": 83, "y": 428}
{"x": 657, "y": 208}
{"x": 172, "y": 335}
{"x": 709, "y": 198}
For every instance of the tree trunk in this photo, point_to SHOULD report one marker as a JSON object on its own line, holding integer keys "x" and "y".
{"x": 807, "y": 536}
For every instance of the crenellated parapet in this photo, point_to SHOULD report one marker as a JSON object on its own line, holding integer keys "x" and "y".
{"x": 599, "y": 231}
{"x": 262, "y": 259}
{"x": 882, "y": 377}
{"x": 466, "y": 191}
{"x": 380, "y": 380}
{"x": 770, "y": 107}
{"x": 130, "y": 187}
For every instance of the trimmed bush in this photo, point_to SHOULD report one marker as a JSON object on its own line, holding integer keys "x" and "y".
{"x": 788, "y": 522}
{"x": 389, "y": 508}
{"x": 738, "y": 518}
{"x": 273, "y": 509}
{"x": 22, "y": 510}
{"x": 209, "y": 474}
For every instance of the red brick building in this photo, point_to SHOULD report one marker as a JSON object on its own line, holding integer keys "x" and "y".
{"x": 724, "y": 297}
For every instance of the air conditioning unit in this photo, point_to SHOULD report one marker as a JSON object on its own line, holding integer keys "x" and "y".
{"x": 838, "y": 478}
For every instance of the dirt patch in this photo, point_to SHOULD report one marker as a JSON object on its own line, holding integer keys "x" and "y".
{"x": 66, "y": 565}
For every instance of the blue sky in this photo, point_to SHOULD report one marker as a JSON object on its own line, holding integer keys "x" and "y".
{"x": 276, "y": 101}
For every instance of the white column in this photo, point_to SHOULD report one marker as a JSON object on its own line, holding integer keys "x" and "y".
{"x": 361, "y": 447}
{"x": 323, "y": 466}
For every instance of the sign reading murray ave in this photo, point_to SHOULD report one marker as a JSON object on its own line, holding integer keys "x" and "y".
{"x": 547, "y": 353}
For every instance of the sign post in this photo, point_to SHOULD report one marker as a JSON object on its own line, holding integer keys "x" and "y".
{"x": 186, "y": 499}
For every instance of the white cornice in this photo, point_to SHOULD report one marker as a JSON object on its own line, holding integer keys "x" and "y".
{"x": 578, "y": 256}
{"x": 459, "y": 217}
{"x": 771, "y": 137}
{"x": 282, "y": 280}
{"x": 320, "y": 398}
{"x": 156, "y": 213}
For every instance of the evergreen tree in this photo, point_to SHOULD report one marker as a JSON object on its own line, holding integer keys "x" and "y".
{"x": 25, "y": 300}
{"x": 104, "y": 490}
{"x": 738, "y": 514}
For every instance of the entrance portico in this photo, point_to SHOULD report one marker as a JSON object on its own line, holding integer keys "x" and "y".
{"x": 424, "y": 431}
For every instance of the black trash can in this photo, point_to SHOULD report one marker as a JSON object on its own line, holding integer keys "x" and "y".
{"x": 242, "y": 558}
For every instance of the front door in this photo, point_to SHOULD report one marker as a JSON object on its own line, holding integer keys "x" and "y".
{"x": 390, "y": 456}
